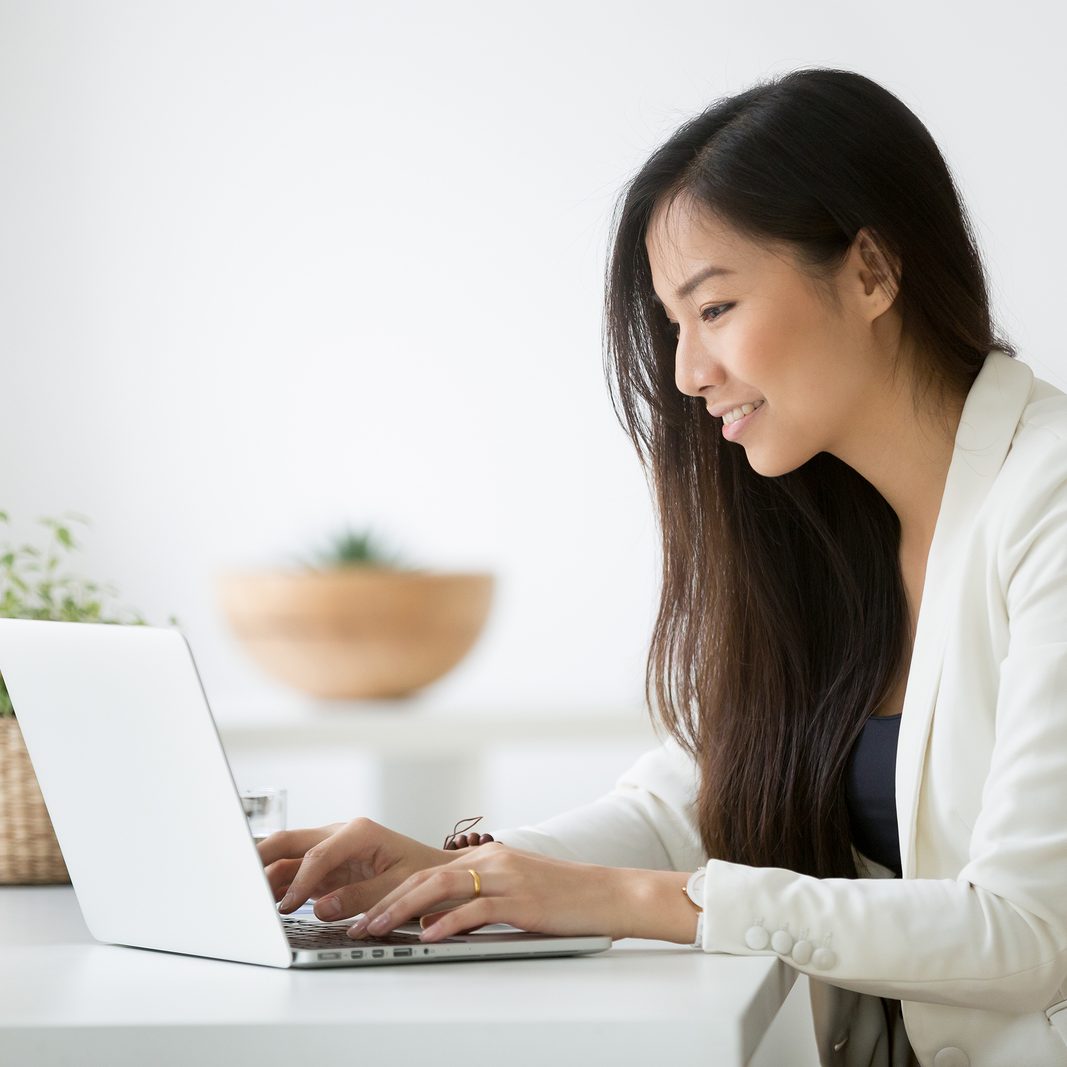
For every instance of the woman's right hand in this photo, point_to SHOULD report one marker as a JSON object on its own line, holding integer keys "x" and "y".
{"x": 350, "y": 865}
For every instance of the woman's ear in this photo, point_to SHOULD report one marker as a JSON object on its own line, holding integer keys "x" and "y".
{"x": 879, "y": 271}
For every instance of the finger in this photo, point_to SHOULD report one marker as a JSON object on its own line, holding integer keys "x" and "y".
{"x": 342, "y": 902}
{"x": 397, "y": 915}
{"x": 290, "y": 844}
{"x": 467, "y": 917}
{"x": 321, "y": 859}
{"x": 280, "y": 874}
{"x": 430, "y": 918}
{"x": 434, "y": 889}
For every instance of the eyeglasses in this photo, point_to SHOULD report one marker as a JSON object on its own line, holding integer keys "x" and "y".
{"x": 461, "y": 828}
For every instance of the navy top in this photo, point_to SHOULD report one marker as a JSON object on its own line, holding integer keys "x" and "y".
{"x": 870, "y": 790}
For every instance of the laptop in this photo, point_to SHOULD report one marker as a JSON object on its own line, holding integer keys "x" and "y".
{"x": 148, "y": 817}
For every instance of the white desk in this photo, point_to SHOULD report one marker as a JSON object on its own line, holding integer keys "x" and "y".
{"x": 65, "y": 1000}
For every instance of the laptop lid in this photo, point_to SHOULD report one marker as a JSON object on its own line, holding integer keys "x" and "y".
{"x": 136, "y": 782}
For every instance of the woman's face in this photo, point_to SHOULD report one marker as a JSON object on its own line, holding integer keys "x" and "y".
{"x": 759, "y": 332}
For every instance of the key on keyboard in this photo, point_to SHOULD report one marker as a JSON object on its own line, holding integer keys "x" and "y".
{"x": 304, "y": 934}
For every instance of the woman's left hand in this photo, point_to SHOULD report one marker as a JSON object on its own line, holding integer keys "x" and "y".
{"x": 523, "y": 889}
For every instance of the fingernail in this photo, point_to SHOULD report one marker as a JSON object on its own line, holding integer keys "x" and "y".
{"x": 358, "y": 926}
{"x": 379, "y": 924}
{"x": 328, "y": 908}
{"x": 287, "y": 902}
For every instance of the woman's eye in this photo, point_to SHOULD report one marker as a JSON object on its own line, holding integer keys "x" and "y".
{"x": 708, "y": 315}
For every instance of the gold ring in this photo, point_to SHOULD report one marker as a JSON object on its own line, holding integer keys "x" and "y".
{"x": 477, "y": 884}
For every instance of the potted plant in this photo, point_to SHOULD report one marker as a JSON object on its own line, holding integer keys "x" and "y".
{"x": 354, "y": 621}
{"x": 31, "y": 587}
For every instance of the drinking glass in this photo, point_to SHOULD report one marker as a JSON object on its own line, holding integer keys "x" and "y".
{"x": 265, "y": 809}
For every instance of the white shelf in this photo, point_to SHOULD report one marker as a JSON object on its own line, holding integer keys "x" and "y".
{"x": 416, "y": 728}
{"x": 418, "y": 765}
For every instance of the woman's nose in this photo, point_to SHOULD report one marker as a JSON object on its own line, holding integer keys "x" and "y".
{"x": 694, "y": 368}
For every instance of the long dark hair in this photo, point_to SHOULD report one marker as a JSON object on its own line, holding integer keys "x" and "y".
{"x": 783, "y": 618}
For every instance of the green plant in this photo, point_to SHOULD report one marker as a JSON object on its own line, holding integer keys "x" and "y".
{"x": 31, "y": 588}
{"x": 349, "y": 548}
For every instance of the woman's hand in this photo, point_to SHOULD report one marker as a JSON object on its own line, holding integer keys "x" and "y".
{"x": 345, "y": 867}
{"x": 526, "y": 890}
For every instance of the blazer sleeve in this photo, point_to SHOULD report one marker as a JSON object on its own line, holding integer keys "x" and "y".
{"x": 647, "y": 820}
{"x": 995, "y": 936}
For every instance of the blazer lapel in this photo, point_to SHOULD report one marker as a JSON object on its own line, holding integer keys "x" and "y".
{"x": 990, "y": 416}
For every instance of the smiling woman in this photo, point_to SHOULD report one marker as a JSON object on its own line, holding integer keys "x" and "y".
{"x": 862, "y": 495}
{"x": 794, "y": 205}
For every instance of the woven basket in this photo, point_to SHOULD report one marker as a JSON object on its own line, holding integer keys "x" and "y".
{"x": 29, "y": 851}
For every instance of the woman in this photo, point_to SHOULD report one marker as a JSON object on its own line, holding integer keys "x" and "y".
{"x": 863, "y": 500}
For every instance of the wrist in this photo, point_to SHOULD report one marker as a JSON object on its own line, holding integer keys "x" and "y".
{"x": 656, "y": 907}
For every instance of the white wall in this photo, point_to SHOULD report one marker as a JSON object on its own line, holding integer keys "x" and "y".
{"x": 267, "y": 267}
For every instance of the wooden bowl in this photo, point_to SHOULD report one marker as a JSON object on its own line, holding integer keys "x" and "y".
{"x": 357, "y": 632}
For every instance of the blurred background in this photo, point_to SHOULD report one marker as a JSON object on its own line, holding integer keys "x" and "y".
{"x": 271, "y": 268}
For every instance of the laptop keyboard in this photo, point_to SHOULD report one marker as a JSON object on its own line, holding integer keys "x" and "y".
{"x": 304, "y": 933}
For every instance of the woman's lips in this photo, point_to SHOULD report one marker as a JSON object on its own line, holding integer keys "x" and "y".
{"x": 732, "y": 431}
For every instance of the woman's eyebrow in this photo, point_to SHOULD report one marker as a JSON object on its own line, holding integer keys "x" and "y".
{"x": 701, "y": 275}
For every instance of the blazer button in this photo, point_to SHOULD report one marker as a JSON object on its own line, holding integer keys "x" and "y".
{"x": 824, "y": 959}
{"x": 952, "y": 1057}
{"x": 781, "y": 942}
{"x": 802, "y": 952}
{"x": 757, "y": 938}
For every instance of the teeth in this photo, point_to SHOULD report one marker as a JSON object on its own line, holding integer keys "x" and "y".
{"x": 741, "y": 412}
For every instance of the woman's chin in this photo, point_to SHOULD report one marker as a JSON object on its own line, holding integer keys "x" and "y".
{"x": 773, "y": 466}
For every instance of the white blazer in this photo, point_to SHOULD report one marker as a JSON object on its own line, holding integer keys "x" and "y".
{"x": 972, "y": 940}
